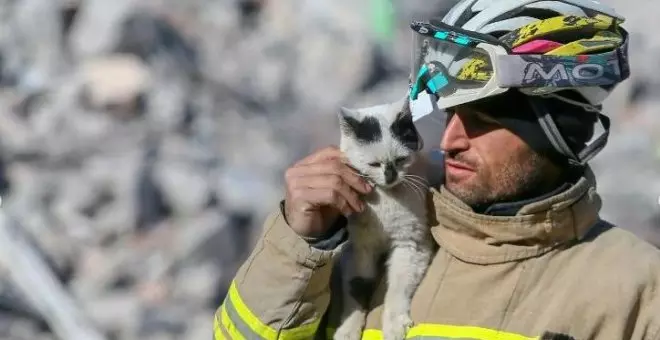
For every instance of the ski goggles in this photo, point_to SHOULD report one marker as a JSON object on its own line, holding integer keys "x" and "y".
{"x": 458, "y": 66}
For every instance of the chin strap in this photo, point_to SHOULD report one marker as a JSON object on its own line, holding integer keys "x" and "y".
{"x": 559, "y": 143}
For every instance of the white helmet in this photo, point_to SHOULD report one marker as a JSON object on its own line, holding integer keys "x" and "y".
{"x": 483, "y": 47}
{"x": 498, "y": 17}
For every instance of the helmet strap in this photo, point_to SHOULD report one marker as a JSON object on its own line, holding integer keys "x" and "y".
{"x": 555, "y": 137}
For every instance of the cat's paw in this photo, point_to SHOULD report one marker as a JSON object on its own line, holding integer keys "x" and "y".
{"x": 348, "y": 333}
{"x": 351, "y": 328}
{"x": 396, "y": 325}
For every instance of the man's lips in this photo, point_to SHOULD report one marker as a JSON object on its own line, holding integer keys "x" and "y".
{"x": 458, "y": 165}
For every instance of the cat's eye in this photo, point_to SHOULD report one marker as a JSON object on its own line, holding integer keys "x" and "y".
{"x": 400, "y": 160}
{"x": 374, "y": 164}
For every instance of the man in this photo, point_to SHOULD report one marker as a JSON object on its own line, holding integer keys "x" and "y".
{"x": 522, "y": 252}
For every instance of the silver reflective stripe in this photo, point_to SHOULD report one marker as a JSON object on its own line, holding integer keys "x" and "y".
{"x": 242, "y": 327}
{"x": 597, "y": 145}
{"x": 551, "y": 131}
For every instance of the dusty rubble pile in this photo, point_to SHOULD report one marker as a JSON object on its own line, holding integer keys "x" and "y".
{"x": 143, "y": 142}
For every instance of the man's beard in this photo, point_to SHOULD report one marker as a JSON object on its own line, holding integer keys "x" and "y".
{"x": 520, "y": 180}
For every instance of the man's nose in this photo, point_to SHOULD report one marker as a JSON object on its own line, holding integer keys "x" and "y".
{"x": 455, "y": 137}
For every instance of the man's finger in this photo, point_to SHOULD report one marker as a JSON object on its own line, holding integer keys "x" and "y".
{"x": 331, "y": 182}
{"x": 331, "y": 168}
{"x": 330, "y": 152}
{"x": 323, "y": 197}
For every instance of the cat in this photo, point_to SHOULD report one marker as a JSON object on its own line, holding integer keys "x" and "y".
{"x": 382, "y": 143}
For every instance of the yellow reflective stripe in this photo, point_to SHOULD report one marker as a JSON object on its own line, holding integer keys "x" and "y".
{"x": 462, "y": 332}
{"x": 443, "y": 332}
{"x": 303, "y": 332}
{"x": 372, "y": 334}
{"x": 264, "y": 331}
{"x": 217, "y": 333}
{"x": 247, "y": 317}
{"x": 229, "y": 325}
{"x": 368, "y": 334}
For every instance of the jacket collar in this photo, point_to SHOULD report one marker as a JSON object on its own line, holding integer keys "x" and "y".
{"x": 537, "y": 228}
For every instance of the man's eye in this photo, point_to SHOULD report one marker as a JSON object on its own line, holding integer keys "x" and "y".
{"x": 374, "y": 164}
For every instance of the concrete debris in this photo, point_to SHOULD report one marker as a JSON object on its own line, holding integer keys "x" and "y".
{"x": 144, "y": 142}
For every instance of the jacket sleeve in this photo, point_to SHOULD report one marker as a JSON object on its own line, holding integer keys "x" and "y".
{"x": 281, "y": 291}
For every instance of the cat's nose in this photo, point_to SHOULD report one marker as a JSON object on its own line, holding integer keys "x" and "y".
{"x": 390, "y": 173}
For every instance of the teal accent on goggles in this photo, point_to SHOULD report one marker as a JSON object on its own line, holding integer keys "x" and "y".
{"x": 431, "y": 80}
{"x": 444, "y": 34}
{"x": 462, "y": 40}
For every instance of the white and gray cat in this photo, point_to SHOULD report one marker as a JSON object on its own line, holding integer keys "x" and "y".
{"x": 381, "y": 143}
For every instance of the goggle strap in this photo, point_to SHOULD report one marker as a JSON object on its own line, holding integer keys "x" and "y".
{"x": 550, "y": 71}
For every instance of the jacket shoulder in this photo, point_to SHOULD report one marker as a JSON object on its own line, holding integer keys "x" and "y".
{"x": 614, "y": 276}
{"x": 610, "y": 264}
{"x": 622, "y": 247}
{"x": 621, "y": 273}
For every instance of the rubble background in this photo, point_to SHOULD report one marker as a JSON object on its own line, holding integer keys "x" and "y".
{"x": 143, "y": 142}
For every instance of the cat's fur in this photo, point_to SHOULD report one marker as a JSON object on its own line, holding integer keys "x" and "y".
{"x": 394, "y": 222}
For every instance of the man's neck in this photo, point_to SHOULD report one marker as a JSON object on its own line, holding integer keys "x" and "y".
{"x": 511, "y": 208}
{"x": 536, "y": 193}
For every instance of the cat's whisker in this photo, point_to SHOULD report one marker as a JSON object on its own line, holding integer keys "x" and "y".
{"x": 415, "y": 176}
{"x": 420, "y": 193}
{"x": 411, "y": 187}
{"x": 361, "y": 175}
{"x": 420, "y": 178}
{"x": 422, "y": 182}
{"x": 415, "y": 187}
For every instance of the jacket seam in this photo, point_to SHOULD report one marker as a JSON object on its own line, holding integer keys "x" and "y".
{"x": 250, "y": 263}
{"x": 656, "y": 333}
{"x": 505, "y": 316}
{"x": 497, "y": 259}
{"x": 450, "y": 259}
{"x": 298, "y": 303}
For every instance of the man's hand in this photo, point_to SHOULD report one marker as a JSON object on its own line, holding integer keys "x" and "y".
{"x": 318, "y": 189}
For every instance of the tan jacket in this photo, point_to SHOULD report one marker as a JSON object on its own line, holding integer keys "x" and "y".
{"x": 554, "y": 271}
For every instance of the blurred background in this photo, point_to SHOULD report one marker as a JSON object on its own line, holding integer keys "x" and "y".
{"x": 143, "y": 142}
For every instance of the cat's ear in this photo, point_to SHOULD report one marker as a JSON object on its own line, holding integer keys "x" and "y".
{"x": 406, "y": 109}
{"x": 404, "y": 116}
{"x": 359, "y": 125}
{"x": 348, "y": 120}
{"x": 346, "y": 112}
{"x": 403, "y": 128}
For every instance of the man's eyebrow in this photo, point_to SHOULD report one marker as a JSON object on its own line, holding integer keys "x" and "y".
{"x": 477, "y": 112}
{"x": 488, "y": 118}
